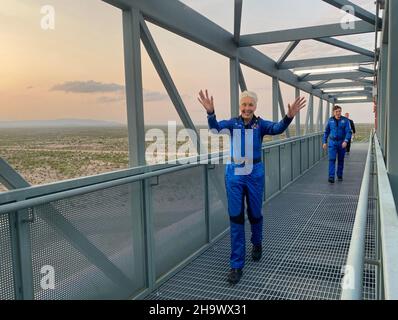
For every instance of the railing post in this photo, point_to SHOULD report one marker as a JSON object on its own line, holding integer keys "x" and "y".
{"x": 149, "y": 236}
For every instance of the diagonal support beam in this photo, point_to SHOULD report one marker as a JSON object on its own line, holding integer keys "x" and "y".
{"x": 287, "y": 52}
{"x": 79, "y": 241}
{"x": 357, "y": 10}
{"x": 237, "y": 20}
{"x": 329, "y": 30}
{"x": 346, "y": 46}
{"x": 166, "y": 79}
{"x": 242, "y": 82}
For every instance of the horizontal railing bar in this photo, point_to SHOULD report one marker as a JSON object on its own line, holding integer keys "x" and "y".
{"x": 77, "y": 183}
{"x": 388, "y": 228}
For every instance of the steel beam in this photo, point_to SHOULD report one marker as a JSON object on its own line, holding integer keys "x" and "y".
{"x": 242, "y": 82}
{"x": 182, "y": 20}
{"x": 282, "y": 107}
{"x": 340, "y": 75}
{"x": 167, "y": 80}
{"x": 234, "y": 86}
{"x": 329, "y": 30}
{"x": 134, "y": 91}
{"x": 237, "y": 20}
{"x": 346, "y": 46}
{"x": 357, "y": 10}
{"x": 292, "y": 45}
{"x": 392, "y": 96}
{"x": 298, "y": 124}
{"x": 317, "y": 62}
{"x": 356, "y": 83}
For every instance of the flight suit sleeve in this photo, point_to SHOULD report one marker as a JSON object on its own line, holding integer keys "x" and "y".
{"x": 274, "y": 128}
{"x": 326, "y": 134}
{"x": 348, "y": 132}
{"x": 218, "y": 125}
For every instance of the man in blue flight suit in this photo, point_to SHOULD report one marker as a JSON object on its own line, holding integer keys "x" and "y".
{"x": 247, "y": 184}
{"x": 338, "y": 130}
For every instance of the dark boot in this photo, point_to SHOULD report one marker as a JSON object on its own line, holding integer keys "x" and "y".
{"x": 257, "y": 252}
{"x": 340, "y": 178}
{"x": 331, "y": 180}
{"x": 234, "y": 276}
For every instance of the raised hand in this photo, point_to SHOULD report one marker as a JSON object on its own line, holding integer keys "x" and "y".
{"x": 296, "y": 106}
{"x": 206, "y": 102}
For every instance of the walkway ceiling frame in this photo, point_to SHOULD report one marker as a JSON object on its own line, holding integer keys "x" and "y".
{"x": 180, "y": 19}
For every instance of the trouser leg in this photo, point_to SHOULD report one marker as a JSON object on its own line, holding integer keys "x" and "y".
{"x": 254, "y": 198}
{"x": 235, "y": 193}
{"x": 348, "y": 146}
{"x": 332, "y": 160}
{"x": 340, "y": 165}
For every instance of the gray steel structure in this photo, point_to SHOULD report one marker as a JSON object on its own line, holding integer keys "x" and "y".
{"x": 124, "y": 244}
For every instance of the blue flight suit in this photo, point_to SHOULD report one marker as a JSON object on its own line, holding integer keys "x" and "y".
{"x": 249, "y": 186}
{"x": 338, "y": 131}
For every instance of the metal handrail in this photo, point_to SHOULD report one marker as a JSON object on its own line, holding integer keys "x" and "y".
{"x": 388, "y": 228}
{"x": 352, "y": 283}
{"x": 41, "y": 199}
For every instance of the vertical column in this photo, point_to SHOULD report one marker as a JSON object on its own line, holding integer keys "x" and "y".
{"x": 320, "y": 128}
{"x": 298, "y": 126}
{"x": 234, "y": 85}
{"x": 327, "y": 114}
{"x": 392, "y": 96}
{"x": 311, "y": 129}
{"x": 275, "y": 101}
{"x": 136, "y": 136}
{"x": 134, "y": 96}
{"x": 382, "y": 92}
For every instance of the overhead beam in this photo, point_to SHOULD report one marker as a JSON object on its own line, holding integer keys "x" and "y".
{"x": 351, "y": 59}
{"x": 182, "y": 20}
{"x": 292, "y": 45}
{"x": 357, "y": 10}
{"x": 351, "y": 94}
{"x": 355, "y": 101}
{"x": 237, "y": 20}
{"x": 320, "y": 83}
{"x": 345, "y": 84}
{"x": 328, "y": 30}
{"x": 346, "y": 46}
{"x": 340, "y": 75}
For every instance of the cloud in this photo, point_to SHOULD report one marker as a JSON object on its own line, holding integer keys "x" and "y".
{"x": 87, "y": 87}
{"x": 149, "y": 96}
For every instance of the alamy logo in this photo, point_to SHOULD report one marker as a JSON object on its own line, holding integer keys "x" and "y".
{"x": 48, "y": 279}
{"x": 47, "y": 22}
{"x": 348, "y": 22}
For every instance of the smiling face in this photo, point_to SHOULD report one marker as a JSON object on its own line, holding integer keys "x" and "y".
{"x": 247, "y": 108}
{"x": 337, "y": 113}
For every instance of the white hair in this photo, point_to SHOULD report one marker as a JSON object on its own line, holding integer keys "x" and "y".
{"x": 250, "y": 94}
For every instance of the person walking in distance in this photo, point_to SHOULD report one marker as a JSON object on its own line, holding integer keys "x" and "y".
{"x": 353, "y": 131}
{"x": 338, "y": 131}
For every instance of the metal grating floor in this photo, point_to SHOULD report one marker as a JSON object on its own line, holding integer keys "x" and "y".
{"x": 307, "y": 231}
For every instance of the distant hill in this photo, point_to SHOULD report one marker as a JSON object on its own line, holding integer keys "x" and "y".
{"x": 59, "y": 123}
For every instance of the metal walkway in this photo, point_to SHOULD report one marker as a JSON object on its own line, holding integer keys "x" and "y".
{"x": 306, "y": 240}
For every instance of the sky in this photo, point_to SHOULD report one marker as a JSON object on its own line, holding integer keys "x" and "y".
{"x": 76, "y": 70}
